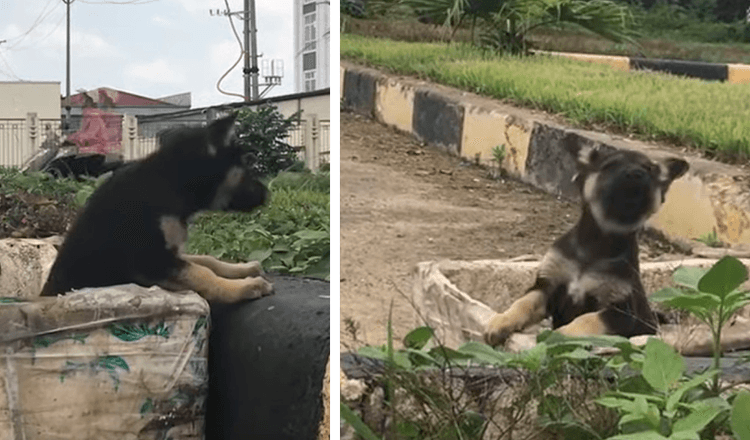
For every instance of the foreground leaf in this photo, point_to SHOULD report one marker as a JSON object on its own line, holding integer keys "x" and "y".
{"x": 662, "y": 366}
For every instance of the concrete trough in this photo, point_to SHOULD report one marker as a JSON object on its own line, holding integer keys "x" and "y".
{"x": 457, "y": 299}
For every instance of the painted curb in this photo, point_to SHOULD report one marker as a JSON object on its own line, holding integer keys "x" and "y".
{"x": 731, "y": 73}
{"x": 711, "y": 197}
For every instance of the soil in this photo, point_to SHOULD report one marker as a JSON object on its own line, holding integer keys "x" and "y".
{"x": 403, "y": 203}
{"x": 25, "y": 215}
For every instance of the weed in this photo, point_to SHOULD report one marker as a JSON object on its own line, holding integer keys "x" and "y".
{"x": 640, "y": 393}
{"x": 706, "y": 115}
{"x": 711, "y": 239}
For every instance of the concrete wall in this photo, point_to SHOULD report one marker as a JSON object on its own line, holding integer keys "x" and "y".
{"x": 711, "y": 197}
{"x": 19, "y": 98}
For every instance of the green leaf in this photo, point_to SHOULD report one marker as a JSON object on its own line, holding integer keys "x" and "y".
{"x": 418, "y": 337}
{"x": 532, "y": 358}
{"x": 665, "y": 294}
{"x": 663, "y": 366}
{"x": 647, "y": 435}
{"x": 355, "y": 422}
{"x": 676, "y": 396}
{"x": 696, "y": 420}
{"x": 259, "y": 255}
{"x": 485, "y": 354}
{"x": 688, "y": 276}
{"x": 740, "y": 418}
{"x": 448, "y": 354}
{"x": 373, "y": 352}
{"x": 697, "y": 303}
{"x": 723, "y": 277}
{"x": 684, "y": 435}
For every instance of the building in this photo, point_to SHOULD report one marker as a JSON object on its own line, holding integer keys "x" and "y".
{"x": 312, "y": 45}
{"x": 124, "y": 103}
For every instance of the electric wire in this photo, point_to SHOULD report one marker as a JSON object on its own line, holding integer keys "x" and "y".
{"x": 242, "y": 53}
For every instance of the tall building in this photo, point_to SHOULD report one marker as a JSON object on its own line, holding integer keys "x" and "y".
{"x": 312, "y": 45}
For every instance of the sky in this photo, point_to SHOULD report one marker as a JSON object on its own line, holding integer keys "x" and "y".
{"x": 152, "y": 48}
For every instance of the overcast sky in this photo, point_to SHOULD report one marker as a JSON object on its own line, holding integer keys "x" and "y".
{"x": 152, "y": 48}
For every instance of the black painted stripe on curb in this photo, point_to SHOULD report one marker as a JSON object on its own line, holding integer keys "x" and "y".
{"x": 359, "y": 92}
{"x": 438, "y": 121}
{"x": 267, "y": 360}
{"x": 551, "y": 161}
{"x": 694, "y": 69}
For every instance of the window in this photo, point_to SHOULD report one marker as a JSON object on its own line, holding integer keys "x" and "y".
{"x": 308, "y": 61}
{"x": 308, "y": 8}
{"x": 309, "y": 81}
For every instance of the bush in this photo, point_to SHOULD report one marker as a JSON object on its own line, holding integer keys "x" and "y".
{"x": 262, "y": 134}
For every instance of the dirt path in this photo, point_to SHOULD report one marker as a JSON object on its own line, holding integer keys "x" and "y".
{"x": 402, "y": 203}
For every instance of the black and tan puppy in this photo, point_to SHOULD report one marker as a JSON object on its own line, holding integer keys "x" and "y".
{"x": 589, "y": 281}
{"x": 134, "y": 226}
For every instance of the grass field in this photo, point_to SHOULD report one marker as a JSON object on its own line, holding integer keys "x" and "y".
{"x": 707, "y": 115}
{"x": 561, "y": 40}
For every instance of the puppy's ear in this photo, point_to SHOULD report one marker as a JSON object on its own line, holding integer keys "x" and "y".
{"x": 220, "y": 131}
{"x": 581, "y": 149}
{"x": 675, "y": 168}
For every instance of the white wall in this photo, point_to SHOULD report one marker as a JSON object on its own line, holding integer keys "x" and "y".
{"x": 19, "y": 98}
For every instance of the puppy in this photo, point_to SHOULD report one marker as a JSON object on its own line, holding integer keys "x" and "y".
{"x": 134, "y": 226}
{"x": 589, "y": 281}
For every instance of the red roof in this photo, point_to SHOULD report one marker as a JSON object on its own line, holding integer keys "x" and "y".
{"x": 104, "y": 96}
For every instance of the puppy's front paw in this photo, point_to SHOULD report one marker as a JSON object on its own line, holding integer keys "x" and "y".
{"x": 498, "y": 330}
{"x": 249, "y": 269}
{"x": 256, "y": 287}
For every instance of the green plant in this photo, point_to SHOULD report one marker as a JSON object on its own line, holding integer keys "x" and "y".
{"x": 262, "y": 133}
{"x": 289, "y": 235}
{"x": 711, "y": 295}
{"x": 711, "y": 239}
{"x": 660, "y": 403}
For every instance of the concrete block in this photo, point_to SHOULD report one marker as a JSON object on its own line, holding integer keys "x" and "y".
{"x": 484, "y": 129}
{"x": 359, "y": 91}
{"x": 438, "y": 120}
{"x": 616, "y": 62}
{"x": 711, "y": 71}
{"x": 394, "y": 104}
{"x": 738, "y": 73}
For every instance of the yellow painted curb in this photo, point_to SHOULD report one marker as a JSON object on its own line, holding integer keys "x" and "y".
{"x": 394, "y": 104}
{"x": 687, "y": 211}
{"x": 484, "y": 130}
{"x": 738, "y": 73}
{"x": 616, "y": 62}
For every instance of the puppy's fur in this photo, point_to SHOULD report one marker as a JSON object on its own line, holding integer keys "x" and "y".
{"x": 134, "y": 226}
{"x": 589, "y": 281}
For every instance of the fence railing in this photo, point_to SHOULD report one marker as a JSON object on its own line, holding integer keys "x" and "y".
{"x": 20, "y": 139}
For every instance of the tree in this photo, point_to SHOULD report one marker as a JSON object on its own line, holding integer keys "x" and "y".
{"x": 505, "y": 24}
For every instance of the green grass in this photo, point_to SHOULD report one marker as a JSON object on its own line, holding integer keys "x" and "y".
{"x": 707, "y": 115}
{"x": 290, "y": 235}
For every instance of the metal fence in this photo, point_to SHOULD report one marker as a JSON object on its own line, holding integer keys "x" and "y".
{"x": 21, "y": 139}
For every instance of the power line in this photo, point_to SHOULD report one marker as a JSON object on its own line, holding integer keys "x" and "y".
{"x": 39, "y": 19}
{"x": 242, "y": 53}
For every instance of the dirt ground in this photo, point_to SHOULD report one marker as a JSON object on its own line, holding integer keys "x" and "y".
{"x": 403, "y": 203}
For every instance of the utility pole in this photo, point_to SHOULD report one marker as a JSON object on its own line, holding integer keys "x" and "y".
{"x": 251, "y": 59}
{"x": 67, "y": 67}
